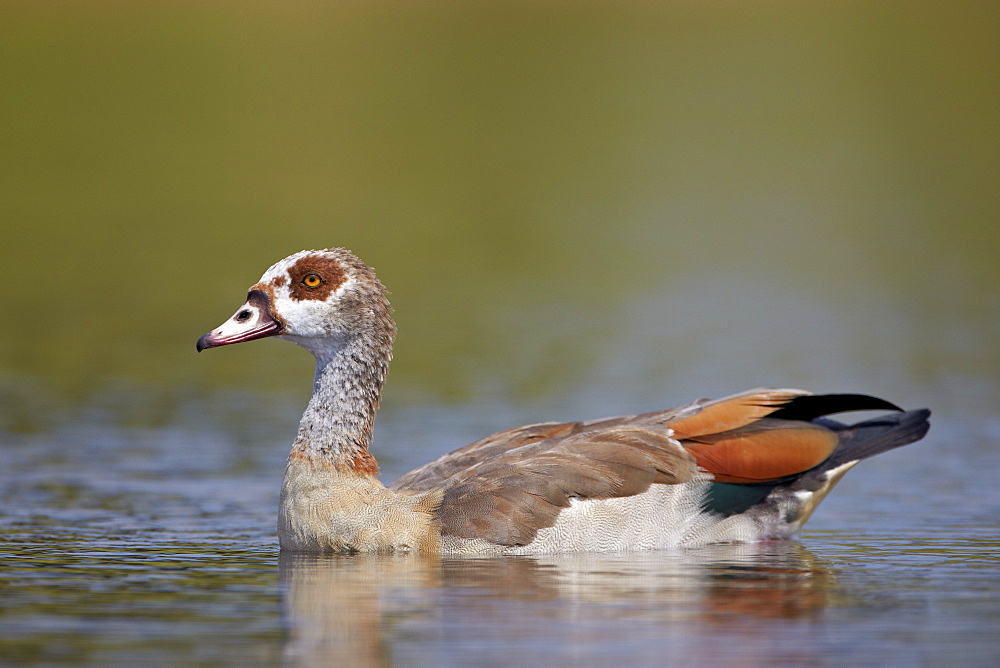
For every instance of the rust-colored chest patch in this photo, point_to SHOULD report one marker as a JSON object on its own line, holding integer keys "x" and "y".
{"x": 315, "y": 277}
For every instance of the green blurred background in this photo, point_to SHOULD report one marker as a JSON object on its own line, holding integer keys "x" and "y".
{"x": 645, "y": 201}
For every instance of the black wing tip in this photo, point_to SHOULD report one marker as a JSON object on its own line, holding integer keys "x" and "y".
{"x": 917, "y": 421}
{"x": 811, "y": 406}
{"x": 872, "y": 437}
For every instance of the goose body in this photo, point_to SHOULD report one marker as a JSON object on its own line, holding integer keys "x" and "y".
{"x": 752, "y": 466}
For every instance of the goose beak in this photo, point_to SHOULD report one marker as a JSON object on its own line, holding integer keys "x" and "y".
{"x": 253, "y": 320}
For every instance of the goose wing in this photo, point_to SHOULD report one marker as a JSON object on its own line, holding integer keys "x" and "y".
{"x": 507, "y": 498}
{"x": 506, "y": 487}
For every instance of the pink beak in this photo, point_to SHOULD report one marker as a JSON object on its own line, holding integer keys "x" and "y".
{"x": 253, "y": 320}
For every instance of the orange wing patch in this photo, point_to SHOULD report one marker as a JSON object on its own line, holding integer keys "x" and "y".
{"x": 765, "y": 450}
{"x": 732, "y": 412}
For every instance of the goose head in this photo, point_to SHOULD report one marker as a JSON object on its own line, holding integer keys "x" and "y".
{"x": 320, "y": 300}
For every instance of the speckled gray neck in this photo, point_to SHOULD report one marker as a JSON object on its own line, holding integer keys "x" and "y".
{"x": 337, "y": 424}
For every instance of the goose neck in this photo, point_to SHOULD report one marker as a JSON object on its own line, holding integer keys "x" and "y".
{"x": 336, "y": 427}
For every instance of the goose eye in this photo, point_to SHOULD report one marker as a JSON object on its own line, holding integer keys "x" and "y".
{"x": 311, "y": 280}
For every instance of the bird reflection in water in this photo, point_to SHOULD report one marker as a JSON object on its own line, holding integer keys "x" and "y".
{"x": 355, "y": 609}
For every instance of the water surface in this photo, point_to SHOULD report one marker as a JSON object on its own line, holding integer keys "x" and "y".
{"x": 158, "y": 546}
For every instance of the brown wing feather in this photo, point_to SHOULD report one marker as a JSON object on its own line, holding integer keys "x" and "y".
{"x": 507, "y": 486}
{"x": 732, "y": 412}
{"x": 699, "y": 418}
{"x": 508, "y": 498}
{"x": 435, "y": 473}
{"x": 441, "y": 469}
{"x": 763, "y": 450}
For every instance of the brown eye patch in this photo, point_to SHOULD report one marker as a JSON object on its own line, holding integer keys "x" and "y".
{"x": 315, "y": 277}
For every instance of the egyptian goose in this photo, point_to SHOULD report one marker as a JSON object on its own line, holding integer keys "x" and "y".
{"x": 752, "y": 466}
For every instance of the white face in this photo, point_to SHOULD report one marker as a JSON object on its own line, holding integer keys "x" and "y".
{"x": 313, "y": 298}
{"x": 306, "y": 291}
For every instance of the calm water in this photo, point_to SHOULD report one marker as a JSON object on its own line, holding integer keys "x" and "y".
{"x": 583, "y": 212}
{"x": 134, "y": 545}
